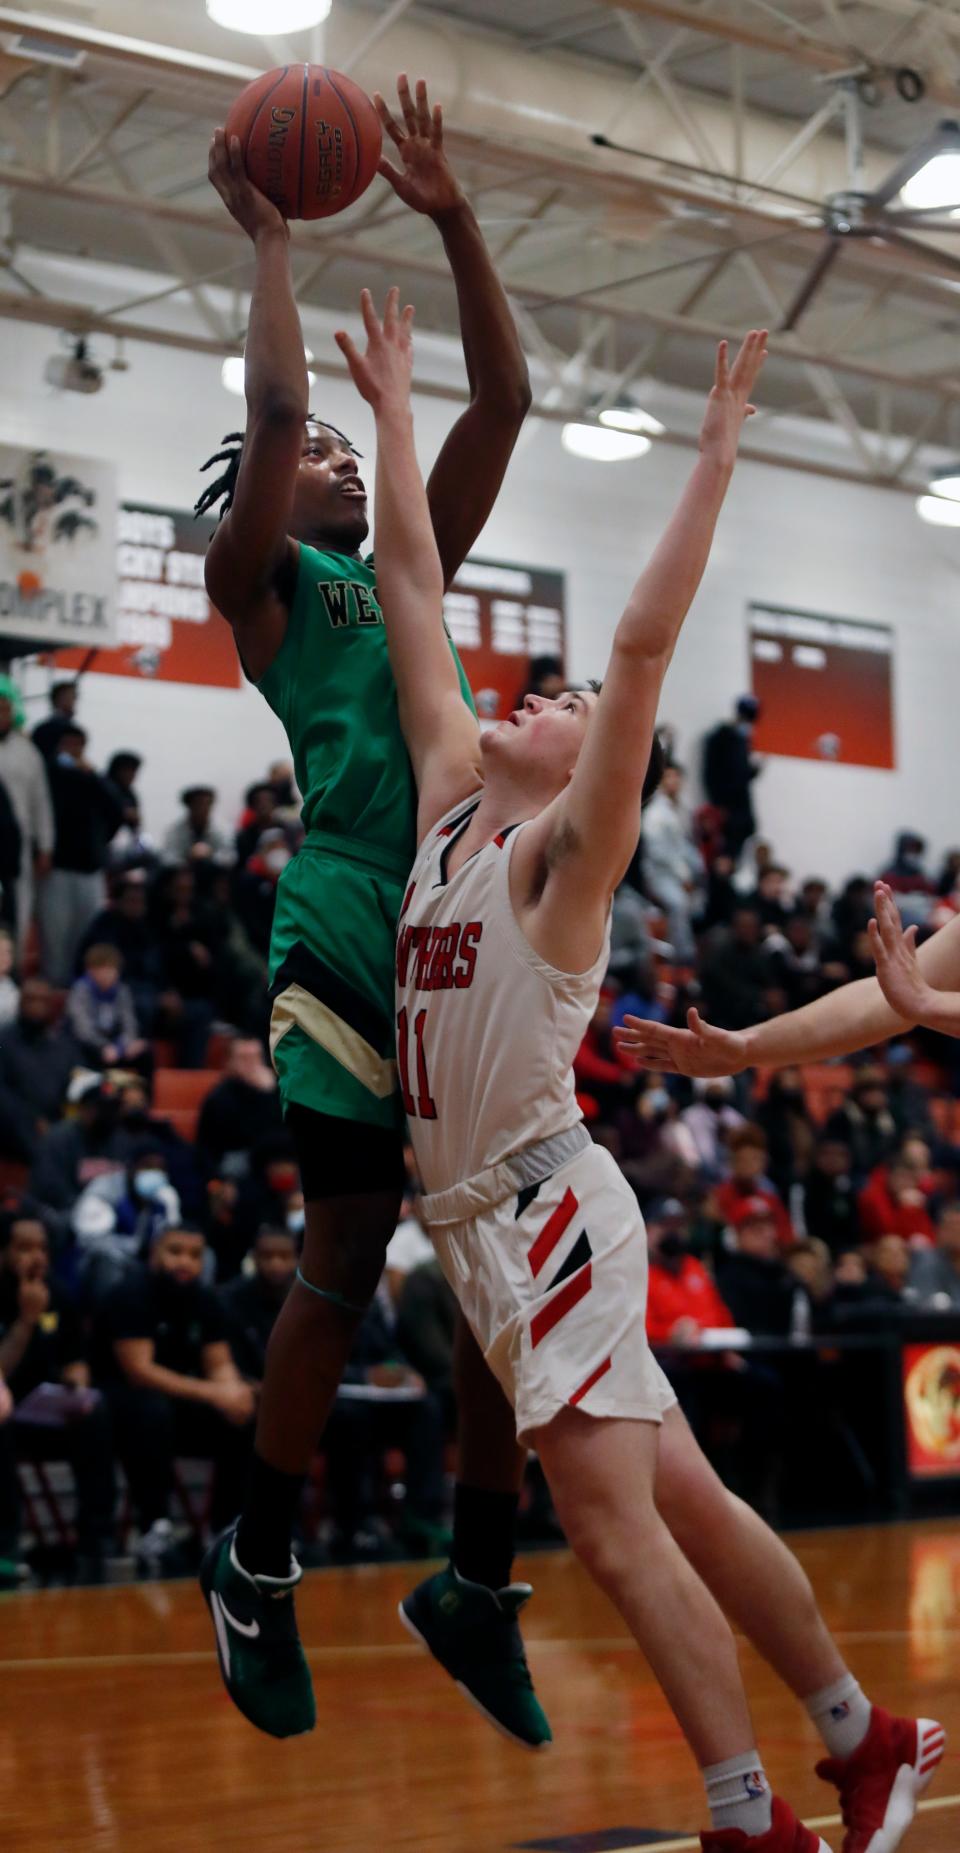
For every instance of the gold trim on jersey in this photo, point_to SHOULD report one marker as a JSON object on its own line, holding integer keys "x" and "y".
{"x": 297, "y": 1007}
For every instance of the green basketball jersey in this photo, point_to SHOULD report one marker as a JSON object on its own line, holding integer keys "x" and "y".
{"x": 332, "y": 687}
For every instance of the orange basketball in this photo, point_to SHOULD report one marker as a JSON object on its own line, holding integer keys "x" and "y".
{"x": 311, "y": 139}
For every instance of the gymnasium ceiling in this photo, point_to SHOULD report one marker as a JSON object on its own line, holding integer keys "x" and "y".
{"x": 736, "y": 120}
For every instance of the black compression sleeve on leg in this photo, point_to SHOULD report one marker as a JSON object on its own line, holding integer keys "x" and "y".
{"x": 484, "y": 1525}
{"x": 344, "y": 1158}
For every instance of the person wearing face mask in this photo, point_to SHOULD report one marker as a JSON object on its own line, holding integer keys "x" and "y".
{"x": 165, "y": 1363}
{"x": 117, "y": 1217}
{"x": 710, "y": 1121}
{"x": 89, "y": 1143}
{"x": 682, "y": 1298}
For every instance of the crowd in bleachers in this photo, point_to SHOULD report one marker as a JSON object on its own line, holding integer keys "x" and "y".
{"x": 150, "y": 1205}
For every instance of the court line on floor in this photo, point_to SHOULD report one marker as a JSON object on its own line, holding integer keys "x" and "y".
{"x": 823, "y": 1820}
{"x": 388, "y": 1650}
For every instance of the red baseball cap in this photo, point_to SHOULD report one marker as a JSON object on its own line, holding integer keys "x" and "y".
{"x": 752, "y": 1209}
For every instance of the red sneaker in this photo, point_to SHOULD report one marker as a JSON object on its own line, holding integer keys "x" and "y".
{"x": 787, "y": 1835}
{"x": 881, "y": 1783}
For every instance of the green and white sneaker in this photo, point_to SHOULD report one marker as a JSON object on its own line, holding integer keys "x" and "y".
{"x": 473, "y": 1632}
{"x": 263, "y": 1665}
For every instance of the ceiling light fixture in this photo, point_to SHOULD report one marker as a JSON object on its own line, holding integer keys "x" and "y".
{"x": 631, "y": 418}
{"x": 928, "y": 178}
{"x": 603, "y": 444}
{"x": 268, "y": 18}
{"x": 940, "y": 510}
{"x": 946, "y": 482}
{"x": 233, "y": 370}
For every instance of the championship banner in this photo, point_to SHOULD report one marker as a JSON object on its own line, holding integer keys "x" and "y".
{"x": 167, "y": 629}
{"x": 57, "y": 544}
{"x": 499, "y": 617}
{"x": 931, "y": 1398}
{"x": 825, "y": 687}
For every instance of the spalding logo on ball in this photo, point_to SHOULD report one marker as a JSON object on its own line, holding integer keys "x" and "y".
{"x": 310, "y": 137}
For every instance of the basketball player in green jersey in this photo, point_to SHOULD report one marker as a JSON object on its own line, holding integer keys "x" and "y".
{"x": 285, "y": 568}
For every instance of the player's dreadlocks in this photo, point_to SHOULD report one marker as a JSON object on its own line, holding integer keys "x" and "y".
{"x": 223, "y": 489}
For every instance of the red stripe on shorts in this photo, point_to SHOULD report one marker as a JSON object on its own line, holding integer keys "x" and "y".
{"x": 552, "y": 1230}
{"x": 594, "y": 1377}
{"x": 561, "y": 1303}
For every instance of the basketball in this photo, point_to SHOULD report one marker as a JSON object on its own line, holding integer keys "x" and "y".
{"x": 311, "y": 139}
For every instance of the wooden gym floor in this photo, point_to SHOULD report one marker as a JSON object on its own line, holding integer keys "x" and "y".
{"x": 115, "y": 1733}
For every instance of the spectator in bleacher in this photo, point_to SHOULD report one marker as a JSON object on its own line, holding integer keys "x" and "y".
{"x": 37, "y": 1056}
{"x": 733, "y": 972}
{"x": 948, "y": 880}
{"x": 243, "y": 1108}
{"x": 47, "y": 734}
{"x": 934, "y": 1277}
{"x": 771, "y": 898}
{"x": 240, "y": 993}
{"x": 260, "y": 804}
{"x": 861, "y": 1299}
{"x": 545, "y": 678}
{"x": 124, "y": 923}
{"x": 829, "y": 1199}
{"x": 426, "y": 1328}
{"x": 789, "y": 1128}
{"x": 811, "y": 1264}
{"x": 909, "y": 1100}
{"x": 252, "y": 1301}
{"x": 729, "y": 769}
{"x": 41, "y": 1343}
{"x": 256, "y": 886}
{"x": 907, "y": 874}
{"x": 749, "y": 1183}
{"x": 710, "y": 1121}
{"x": 793, "y": 960}
{"x": 9, "y": 989}
{"x": 87, "y": 815}
{"x": 630, "y": 941}
{"x": 896, "y": 1201}
{"x": 101, "y": 1014}
{"x": 400, "y": 1412}
{"x": 812, "y": 901}
{"x": 754, "y": 1281}
{"x": 121, "y": 776}
{"x": 850, "y": 912}
{"x": 409, "y": 1247}
{"x": 757, "y": 856}
{"x": 270, "y": 1188}
{"x": 598, "y": 1070}
{"x": 656, "y": 1151}
{"x": 187, "y": 941}
{"x": 89, "y": 1143}
{"x": 23, "y": 775}
{"x": 194, "y": 838}
{"x": 682, "y": 1298}
{"x": 136, "y": 1117}
{"x": 865, "y": 1123}
{"x": 673, "y": 871}
{"x": 889, "y": 1263}
{"x": 116, "y": 1217}
{"x": 173, "y": 1387}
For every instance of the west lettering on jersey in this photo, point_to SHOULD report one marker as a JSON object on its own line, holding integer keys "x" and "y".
{"x": 347, "y": 601}
{"x": 444, "y": 957}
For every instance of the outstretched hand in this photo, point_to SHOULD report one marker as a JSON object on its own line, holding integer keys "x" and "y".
{"x": 895, "y": 953}
{"x": 245, "y": 203}
{"x": 382, "y": 375}
{"x": 426, "y": 181}
{"x": 730, "y": 401}
{"x": 700, "y": 1049}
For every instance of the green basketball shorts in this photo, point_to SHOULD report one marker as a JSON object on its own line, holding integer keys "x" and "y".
{"x": 332, "y": 961}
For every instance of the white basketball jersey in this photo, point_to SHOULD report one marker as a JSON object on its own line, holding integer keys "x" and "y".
{"x": 486, "y": 1029}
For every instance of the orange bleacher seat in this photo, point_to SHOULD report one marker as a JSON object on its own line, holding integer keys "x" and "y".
{"x": 184, "y": 1120}
{"x": 175, "y": 1089}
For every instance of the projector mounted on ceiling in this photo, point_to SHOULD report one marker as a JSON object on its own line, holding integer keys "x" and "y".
{"x": 75, "y": 371}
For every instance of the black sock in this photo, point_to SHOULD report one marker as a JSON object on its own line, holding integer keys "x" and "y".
{"x": 265, "y": 1530}
{"x": 484, "y": 1525}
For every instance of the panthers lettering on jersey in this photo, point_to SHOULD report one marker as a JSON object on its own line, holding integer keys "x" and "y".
{"x": 486, "y": 1029}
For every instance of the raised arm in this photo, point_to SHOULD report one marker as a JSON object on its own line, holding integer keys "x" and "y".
{"x": 466, "y": 478}
{"x": 857, "y": 1016}
{"x": 251, "y": 562}
{"x": 590, "y": 833}
{"x": 441, "y": 733}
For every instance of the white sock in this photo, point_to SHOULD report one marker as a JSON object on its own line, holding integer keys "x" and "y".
{"x": 739, "y": 1794}
{"x": 841, "y": 1714}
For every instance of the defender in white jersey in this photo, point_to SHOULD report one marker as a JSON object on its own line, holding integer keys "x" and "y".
{"x": 535, "y": 1227}
{"x": 524, "y": 836}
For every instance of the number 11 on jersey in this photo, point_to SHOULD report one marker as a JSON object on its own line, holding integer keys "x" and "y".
{"x": 423, "y": 1107}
